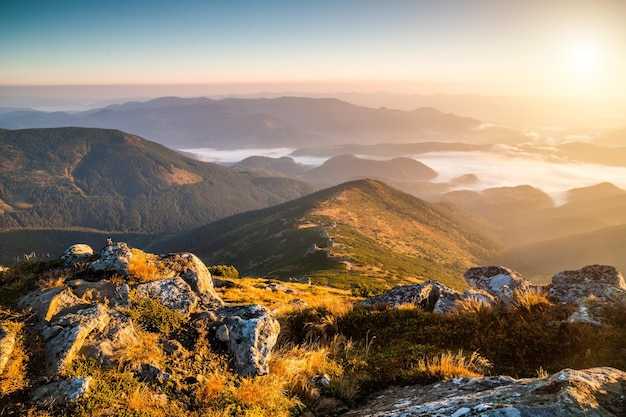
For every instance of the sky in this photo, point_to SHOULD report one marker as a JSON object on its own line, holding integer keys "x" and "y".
{"x": 571, "y": 48}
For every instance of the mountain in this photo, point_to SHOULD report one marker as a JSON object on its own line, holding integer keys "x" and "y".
{"x": 388, "y": 149}
{"x": 284, "y": 166}
{"x": 114, "y": 181}
{"x": 340, "y": 236}
{"x": 265, "y": 123}
{"x": 612, "y": 155}
{"x": 345, "y": 168}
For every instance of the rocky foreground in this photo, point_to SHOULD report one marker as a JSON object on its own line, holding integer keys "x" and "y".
{"x": 86, "y": 317}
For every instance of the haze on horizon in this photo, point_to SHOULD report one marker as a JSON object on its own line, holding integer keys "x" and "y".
{"x": 572, "y": 48}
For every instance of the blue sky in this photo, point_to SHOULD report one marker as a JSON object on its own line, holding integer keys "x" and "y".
{"x": 495, "y": 46}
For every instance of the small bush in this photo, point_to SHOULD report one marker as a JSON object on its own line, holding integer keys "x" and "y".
{"x": 225, "y": 271}
{"x": 155, "y": 317}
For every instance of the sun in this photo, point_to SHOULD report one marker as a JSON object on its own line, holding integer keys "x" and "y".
{"x": 584, "y": 58}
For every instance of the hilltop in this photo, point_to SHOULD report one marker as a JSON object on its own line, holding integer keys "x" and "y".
{"x": 360, "y": 231}
{"x": 113, "y": 181}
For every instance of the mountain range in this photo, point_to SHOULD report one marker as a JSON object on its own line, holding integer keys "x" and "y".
{"x": 280, "y": 122}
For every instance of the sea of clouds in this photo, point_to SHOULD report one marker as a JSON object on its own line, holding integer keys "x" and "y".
{"x": 502, "y": 167}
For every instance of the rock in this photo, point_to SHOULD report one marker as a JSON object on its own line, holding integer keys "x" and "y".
{"x": 62, "y": 349}
{"x": 119, "y": 333}
{"x": 76, "y": 254}
{"x": 8, "y": 338}
{"x": 498, "y": 281}
{"x": 173, "y": 293}
{"x": 429, "y": 295}
{"x": 102, "y": 292}
{"x": 249, "y": 333}
{"x": 195, "y": 273}
{"x": 589, "y": 392}
{"x": 114, "y": 259}
{"x": 329, "y": 406}
{"x": 592, "y": 288}
{"x": 49, "y": 304}
{"x": 61, "y": 392}
{"x": 597, "y": 280}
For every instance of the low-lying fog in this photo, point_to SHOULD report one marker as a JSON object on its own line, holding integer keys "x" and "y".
{"x": 505, "y": 166}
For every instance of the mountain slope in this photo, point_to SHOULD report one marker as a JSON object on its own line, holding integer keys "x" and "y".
{"x": 110, "y": 180}
{"x": 342, "y": 235}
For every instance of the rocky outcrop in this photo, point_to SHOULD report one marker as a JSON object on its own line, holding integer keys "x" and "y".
{"x": 76, "y": 254}
{"x": 597, "y": 280}
{"x": 49, "y": 304}
{"x": 498, "y": 281}
{"x": 173, "y": 293}
{"x": 429, "y": 296}
{"x": 114, "y": 259}
{"x": 589, "y": 392}
{"x": 593, "y": 289}
{"x": 194, "y": 272}
{"x": 75, "y": 327}
{"x": 249, "y": 333}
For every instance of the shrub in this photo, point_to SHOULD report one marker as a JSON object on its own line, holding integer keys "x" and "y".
{"x": 155, "y": 317}
{"x": 225, "y": 271}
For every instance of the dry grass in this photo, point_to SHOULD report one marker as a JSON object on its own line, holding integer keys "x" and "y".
{"x": 453, "y": 365}
{"x": 212, "y": 385}
{"x": 131, "y": 353}
{"x": 471, "y": 305}
{"x": 14, "y": 376}
{"x": 143, "y": 400}
{"x": 52, "y": 279}
{"x": 527, "y": 299}
{"x": 143, "y": 266}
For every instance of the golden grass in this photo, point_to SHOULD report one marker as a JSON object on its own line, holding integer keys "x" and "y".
{"x": 453, "y": 365}
{"x": 131, "y": 353}
{"x": 52, "y": 279}
{"x": 143, "y": 266}
{"x": 14, "y": 377}
{"x": 211, "y": 386}
{"x": 526, "y": 299}
{"x": 471, "y": 305}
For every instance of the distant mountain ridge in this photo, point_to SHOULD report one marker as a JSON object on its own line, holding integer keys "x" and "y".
{"x": 249, "y": 123}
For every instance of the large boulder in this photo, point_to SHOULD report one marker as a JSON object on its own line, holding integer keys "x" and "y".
{"x": 76, "y": 254}
{"x": 119, "y": 333}
{"x": 74, "y": 329}
{"x": 425, "y": 296}
{"x": 114, "y": 259}
{"x": 173, "y": 293}
{"x": 249, "y": 333}
{"x": 498, "y": 281}
{"x": 592, "y": 289}
{"x": 596, "y": 280}
{"x": 589, "y": 392}
{"x": 191, "y": 269}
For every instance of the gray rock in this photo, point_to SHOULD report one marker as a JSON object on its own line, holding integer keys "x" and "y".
{"x": 429, "y": 296}
{"x": 249, "y": 332}
{"x": 76, "y": 254}
{"x": 498, "y": 281}
{"x": 119, "y": 333}
{"x": 8, "y": 338}
{"x": 61, "y": 392}
{"x": 597, "y": 280}
{"x": 590, "y": 392}
{"x": 102, "y": 292}
{"x": 49, "y": 304}
{"x": 114, "y": 259}
{"x": 173, "y": 293}
{"x": 195, "y": 273}
{"x": 63, "y": 348}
